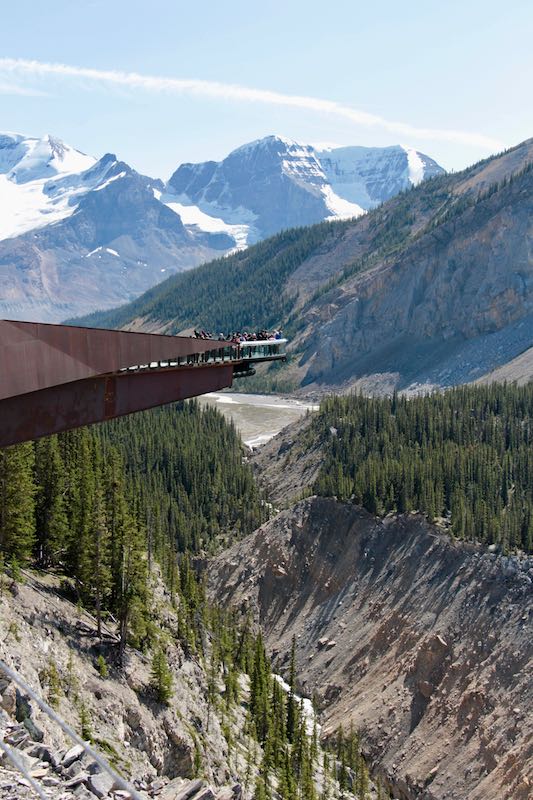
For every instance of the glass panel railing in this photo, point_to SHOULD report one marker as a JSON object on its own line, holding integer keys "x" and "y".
{"x": 241, "y": 351}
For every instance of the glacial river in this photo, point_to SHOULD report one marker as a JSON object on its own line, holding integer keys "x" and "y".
{"x": 258, "y": 417}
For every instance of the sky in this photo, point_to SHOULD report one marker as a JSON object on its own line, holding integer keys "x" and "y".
{"x": 161, "y": 82}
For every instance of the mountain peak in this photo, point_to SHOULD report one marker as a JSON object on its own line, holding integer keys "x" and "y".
{"x": 276, "y": 182}
{"x": 273, "y": 147}
{"x": 267, "y": 142}
{"x": 25, "y": 158}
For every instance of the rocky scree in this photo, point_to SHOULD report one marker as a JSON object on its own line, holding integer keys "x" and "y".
{"x": 176, "y": 753}
{"x": 425, "y": 644}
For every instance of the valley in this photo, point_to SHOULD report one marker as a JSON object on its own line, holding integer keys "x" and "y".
{"x": 422, "y": 643}
{"x": 258, "y": 418}
{"x": 266, "y": 401}
{"x": 395, "y": 611}
{"x": 316, "y": 585}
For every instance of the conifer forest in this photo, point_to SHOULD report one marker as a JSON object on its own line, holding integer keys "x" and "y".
{"x": 463, "y": 456}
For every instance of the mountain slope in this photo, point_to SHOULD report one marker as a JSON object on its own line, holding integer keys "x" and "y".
{"x": 433, "y": 287}
{"x": 78, "y": 234}
{"x": 370, "y": 175}
{"x": 422, "y": 643}
{"x": 36, "y": 182}
{"x": 276, "y": 183}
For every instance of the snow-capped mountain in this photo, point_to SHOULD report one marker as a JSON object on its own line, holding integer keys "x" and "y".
{"x": 368, "y": 176}
{"x": 36, "y": 185}
{"x": 276, "y": 183}
{"x": 77, "y": 234}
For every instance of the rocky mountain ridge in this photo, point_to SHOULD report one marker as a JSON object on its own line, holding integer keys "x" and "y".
{"x": 276, "y": 183}
{"x": 54, "y": 647}
{"x": 425, "y": 644}
{"x": 79, "y": 234}
{"x": 196, "y": 746}
{"x": 431, "y": 289}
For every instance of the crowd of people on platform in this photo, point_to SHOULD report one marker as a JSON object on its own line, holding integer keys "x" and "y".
{"x": 238, "y": 337}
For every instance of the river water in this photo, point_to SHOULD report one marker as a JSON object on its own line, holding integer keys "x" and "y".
{"x": 258, "y": 417}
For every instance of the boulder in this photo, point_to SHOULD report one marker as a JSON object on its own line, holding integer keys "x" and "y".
{"x": 36, "y": 733}
{"x": 72, "y": 755}
{"x": 101, "y": 784}
{"x": 23, "y": 707}
{"x": 205, "y": 794}
{"x": 178, "y": 790}
{"x": 9, "y": 699}
{"x": 425, "y": 688}
{"x": 74, "y": 769}
{"x": 77, "y": 781}
{"x": 44, "y": 753}
{"x": 22, "y": 757}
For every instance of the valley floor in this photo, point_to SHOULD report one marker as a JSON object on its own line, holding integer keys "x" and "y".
{"x": 258, "y": 417}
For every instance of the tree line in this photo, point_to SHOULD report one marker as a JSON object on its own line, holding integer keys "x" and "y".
{"x": 99, "y": 504}
{"x": 463, "y": 456}
{"x": 243, "y": 291}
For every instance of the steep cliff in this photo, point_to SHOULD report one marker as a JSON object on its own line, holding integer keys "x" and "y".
{"x": 424, "y": 643}
{"x": 54, "y": 646}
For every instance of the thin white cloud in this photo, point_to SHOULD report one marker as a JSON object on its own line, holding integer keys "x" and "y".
{"x": 11, "y": 88}
{"x": 238, "y": 93}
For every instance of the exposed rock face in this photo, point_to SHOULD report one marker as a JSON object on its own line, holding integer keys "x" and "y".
{"x": 432, "y": 648}
{"x": 269, "y": 184}
{"x": 196, "y": 748}
{"x": 276, "y": 183}
{"x": 433, "y": 288}
{"x": 153, "y": 746}
{"x": 79, "y": 234}
{"x": 452, "y": 303}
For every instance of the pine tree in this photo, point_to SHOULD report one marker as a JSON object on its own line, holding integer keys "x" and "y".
{"x": 259, "y": 690}
{"x": 292, "y": 706}
{"x": 17, "y": 502}
{"x": 161, "y": 676}
{"x": 86, "y": 730}
{"x": 102, "y": 579}
{"x": 52, "y": 524}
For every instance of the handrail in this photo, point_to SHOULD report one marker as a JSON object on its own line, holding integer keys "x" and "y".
{"x": 227, "y": 352}
{"x": 65, "y": 727}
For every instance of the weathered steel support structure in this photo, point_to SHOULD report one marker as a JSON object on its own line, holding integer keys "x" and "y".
{"x": 57, "y": 377}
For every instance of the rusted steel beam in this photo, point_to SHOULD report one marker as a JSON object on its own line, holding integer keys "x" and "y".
{"x": 83, "y": 402}
{"x": 58, "y": 377}
{"x": 35, "y": 356}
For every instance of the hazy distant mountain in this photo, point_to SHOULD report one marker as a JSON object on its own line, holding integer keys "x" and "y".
{"x": 78, "y": 234}
{"x": 275, "y": 183}
{"x": 368, "y": 176}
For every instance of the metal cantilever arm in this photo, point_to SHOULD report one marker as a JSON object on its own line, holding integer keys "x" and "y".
{"x": 55, "y": 378}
